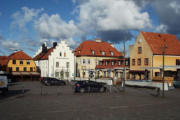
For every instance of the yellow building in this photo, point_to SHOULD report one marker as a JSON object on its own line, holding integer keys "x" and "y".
{"x": 146, "y": 55}
{"x": 88, "y": 55}
{"x": 20, "y": 66}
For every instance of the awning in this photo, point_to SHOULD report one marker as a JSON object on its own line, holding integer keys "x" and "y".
{"x": 25, "y": 73}
{"x": 35, "y": 73}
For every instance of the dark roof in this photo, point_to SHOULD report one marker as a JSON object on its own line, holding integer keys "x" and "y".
{"x": 86, "y": 48}
{"x": 44, "y": 56}
{"x": 3, "y": 60}
{"x": 157, "y": 41}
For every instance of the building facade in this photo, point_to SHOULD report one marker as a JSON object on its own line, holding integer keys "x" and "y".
{"x": 19, "y": 66}
{"x": 146, "y": 55}
{"x": 90, "y": 53}
{"x": 57, "y": 61}
{"x": 113, "y": 68}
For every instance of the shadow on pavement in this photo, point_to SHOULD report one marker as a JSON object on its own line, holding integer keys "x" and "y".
{"x": 11, "y": 93}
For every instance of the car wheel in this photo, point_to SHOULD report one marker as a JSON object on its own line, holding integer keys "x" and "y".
{"x": 82, "y": 90}
{"x": 102, "y": 89}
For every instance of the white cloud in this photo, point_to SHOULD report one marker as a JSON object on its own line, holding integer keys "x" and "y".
{"x": 21, "y": 18}
{"x": 161, "y": 28}
{"x": 105, "y": 15}
{"x": 175, "y": 6}
{"x": 10, "y": 45}
{"x": 54, "y": 27}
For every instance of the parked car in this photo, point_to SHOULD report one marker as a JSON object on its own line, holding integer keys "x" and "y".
{"x": 89, "y": 86}
{"x": 52, "y": 81}
{"x": 176, "y": 83}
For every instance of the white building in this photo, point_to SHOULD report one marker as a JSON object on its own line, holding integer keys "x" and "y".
{"x": 57, "y": 61}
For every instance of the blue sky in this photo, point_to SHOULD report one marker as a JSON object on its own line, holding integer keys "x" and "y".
{"x": 26, "y": 24}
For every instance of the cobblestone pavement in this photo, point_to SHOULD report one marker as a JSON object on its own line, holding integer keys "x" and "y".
{"x": 61, "y": 103}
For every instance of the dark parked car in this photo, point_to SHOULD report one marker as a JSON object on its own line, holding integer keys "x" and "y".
{"x": 52, "y": 81}
{"x": 89, "y": 86}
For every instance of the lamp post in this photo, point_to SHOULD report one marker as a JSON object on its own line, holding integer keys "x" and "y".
{"x": 163, "y": 52}
{"x": 124, "y": 77}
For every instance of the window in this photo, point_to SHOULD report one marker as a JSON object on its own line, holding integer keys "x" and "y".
{"x": 25, "y": 69}
{"x": 119, "y": 62}
{"x": 65, "y": 54}
{"x": 17, "y": 69}
{"x": 112, "y": 62}
{"x": 57, "y": 74}
{"x": 103, "y": 53}
{"x": 67, "y": 74}
{"x": 93, "y": 52}
{"x": 21, "y": 62}
{"x": 10, "y": 69}
{"x": 79, "y": 51}
{"x": 157, "y": 74}
{"x": 31, "y": 69}
{"x": 127, "y": 63}
{"x": 100, "y": 62}
{"x": 14, "y": 61}
{"x": 107, "y": 63}
{"x": 146, "y": 61}
{"x": 112, "y": 53}
{"x": 89, "y": 61}
{"x": 57, "y": 64}
{"x": 139, "y": 61}
{"x": 84, "y": 61}
{"x": 177, "y": 61}
{"x": 60, "y": 54}
{"x": 139, "y": 50}
{"x": 67, "y": 64}
{"x": 133, "y": 61}
{"x": 28, "y": 62}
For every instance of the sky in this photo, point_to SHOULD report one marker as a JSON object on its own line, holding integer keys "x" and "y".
{"x": 26, "y": 24}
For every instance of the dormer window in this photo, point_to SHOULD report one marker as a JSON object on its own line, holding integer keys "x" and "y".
{"x": 103, "y": 53}
{"x": 93, "y": 52}
{"x": 112, "y": 53}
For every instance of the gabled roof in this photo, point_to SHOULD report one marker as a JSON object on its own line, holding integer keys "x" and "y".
{"x": 3, "y": 60}
{"x": 44, "y": 56}
{"x": 19, "y": 55}
{"x": 86, "y": 48}
{"x": 157, "y": 41}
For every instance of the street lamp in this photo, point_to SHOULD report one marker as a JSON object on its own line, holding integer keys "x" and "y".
{"x": 124, "y": 77}
{"x": 163, "y": 52}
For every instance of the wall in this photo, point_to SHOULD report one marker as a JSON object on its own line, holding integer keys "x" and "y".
{"x": 21, "y": 66}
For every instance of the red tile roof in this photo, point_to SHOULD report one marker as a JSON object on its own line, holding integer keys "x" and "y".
{"x": 157, "y": 41}
{"x": 110, "y": 66}
{"x": 19, "y": 55}
{"x": 86, "y": 48}
{"x": 44, "y": 56}
{"x": 3, "y": 60}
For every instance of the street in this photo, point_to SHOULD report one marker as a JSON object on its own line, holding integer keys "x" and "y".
{"x": 32, "y": 101}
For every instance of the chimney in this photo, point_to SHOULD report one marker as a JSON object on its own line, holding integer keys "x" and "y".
{"x": 54, "y": 44}
{"x": 112, "y": 45}
{"x": 98, "y": 40}
{"x": 44, "y": 48}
